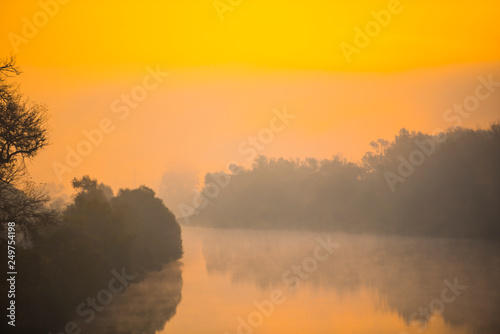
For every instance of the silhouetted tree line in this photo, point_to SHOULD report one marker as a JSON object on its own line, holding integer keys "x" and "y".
{"x": 64, "y": 257}
{"x": 72, "y": 261}
{"x": 23, "y": 133}
{"x": 418, "y": 184}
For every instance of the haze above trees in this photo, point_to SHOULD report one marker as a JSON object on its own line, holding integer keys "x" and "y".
{"x": 64, "y": 256}
{"x": 417, "y": 184}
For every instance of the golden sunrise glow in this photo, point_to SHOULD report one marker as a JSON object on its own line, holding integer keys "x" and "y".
{"x": 272, "y": 34}
{"x": 263, "y": 55}
{"x": 147, "y": 100}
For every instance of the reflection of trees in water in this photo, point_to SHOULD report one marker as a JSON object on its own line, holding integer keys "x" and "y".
{"x": 408, "y": 272}
{"x": 143, "y": 308}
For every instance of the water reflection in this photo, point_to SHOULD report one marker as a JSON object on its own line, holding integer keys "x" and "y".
{"x": 395, "y": 275}
{"x": 143, "y": 308}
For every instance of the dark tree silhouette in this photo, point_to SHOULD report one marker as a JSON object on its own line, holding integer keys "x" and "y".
{"x": 73, "y": 260}
{"x": 7, "y": 69}
{"x": 23, "y": 133}
{"x": 452, "y": 191}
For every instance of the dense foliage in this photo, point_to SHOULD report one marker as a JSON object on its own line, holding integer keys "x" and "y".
{"x": 99, "y": 233}
{"x": 418, "y": 184}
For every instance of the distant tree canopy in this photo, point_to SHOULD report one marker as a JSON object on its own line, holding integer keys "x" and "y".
{"x": 23, "y": 133}
{"x": 417, "y": 184}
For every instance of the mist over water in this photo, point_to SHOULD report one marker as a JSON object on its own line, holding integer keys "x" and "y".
{"x": 370, "y": 284}
{"x": 249, "y": 167}
{"x": 145, "y": 307}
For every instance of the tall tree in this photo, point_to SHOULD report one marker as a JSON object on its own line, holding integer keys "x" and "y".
{"x": 23, "y": 133}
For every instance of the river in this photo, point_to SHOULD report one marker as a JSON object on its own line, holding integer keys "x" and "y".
{"x": 240, "y": 281}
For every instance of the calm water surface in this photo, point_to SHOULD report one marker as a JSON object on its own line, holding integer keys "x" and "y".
{"x": 369, "y": 284}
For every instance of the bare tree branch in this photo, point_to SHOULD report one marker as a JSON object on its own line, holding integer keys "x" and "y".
{"x": 23, "y": 133}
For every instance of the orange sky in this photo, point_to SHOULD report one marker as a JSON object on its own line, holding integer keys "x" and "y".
{"x": 227, "y": 76}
